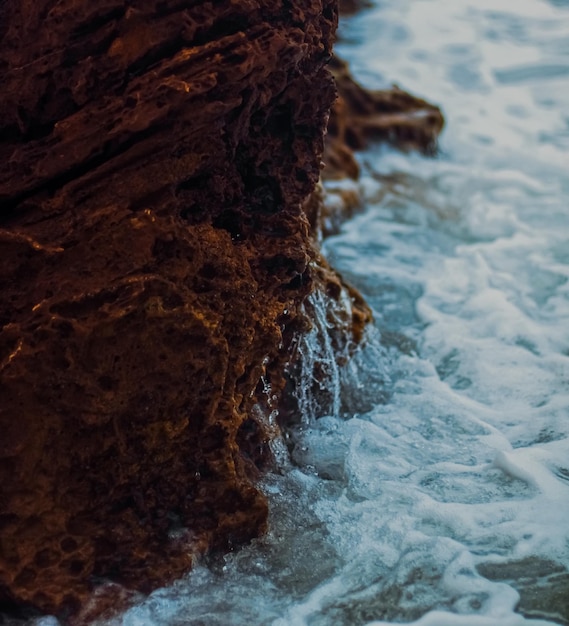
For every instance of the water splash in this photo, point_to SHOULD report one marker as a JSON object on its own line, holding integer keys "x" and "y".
{"x": 318, "y": 387}
{"x": 332, "y": 375}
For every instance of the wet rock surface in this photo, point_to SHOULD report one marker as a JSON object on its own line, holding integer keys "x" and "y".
{"x": 154, "y": 157}
{"x": 543, "y": 586}
{"x": 359, "y": 117}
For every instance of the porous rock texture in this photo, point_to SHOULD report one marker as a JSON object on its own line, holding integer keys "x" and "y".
{"x": 154, "y": 155}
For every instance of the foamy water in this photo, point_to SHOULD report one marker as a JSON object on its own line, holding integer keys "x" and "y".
{"x": 436, "y": 492}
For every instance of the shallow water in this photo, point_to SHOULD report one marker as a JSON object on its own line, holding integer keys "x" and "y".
{"x": 436, "y": 490}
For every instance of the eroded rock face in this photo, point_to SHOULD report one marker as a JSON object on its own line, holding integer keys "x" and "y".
{"x": 153, "y": 160}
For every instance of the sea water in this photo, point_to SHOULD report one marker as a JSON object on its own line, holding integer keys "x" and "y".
{"x": 433, "y": 489}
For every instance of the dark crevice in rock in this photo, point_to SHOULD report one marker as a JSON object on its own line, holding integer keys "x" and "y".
{"x": 95, "y": 23}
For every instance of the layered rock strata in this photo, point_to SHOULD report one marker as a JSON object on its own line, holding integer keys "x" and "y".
{"x": 154, "y": 156}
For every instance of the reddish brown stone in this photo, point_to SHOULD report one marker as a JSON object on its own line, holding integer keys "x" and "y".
{"x": 360, "y": 116}
{"x": 347, "y": 7}
{"x": 153, "y": 160}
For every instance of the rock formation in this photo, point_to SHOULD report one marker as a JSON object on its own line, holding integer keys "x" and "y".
{"x": 154, "y": 158}
{"x": 157, "y": 224}
{"x": 393, "y": 115}
{"x": 358, "y": 117}
{"x": 352, "y": 6}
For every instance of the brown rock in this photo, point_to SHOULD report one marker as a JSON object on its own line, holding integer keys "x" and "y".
{"x": 360, "y": 116}
{"x": 153, "y": 160}
{"x": 347, "y": 7}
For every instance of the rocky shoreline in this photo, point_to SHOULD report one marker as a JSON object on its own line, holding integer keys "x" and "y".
{"x": 159, "y": 222}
